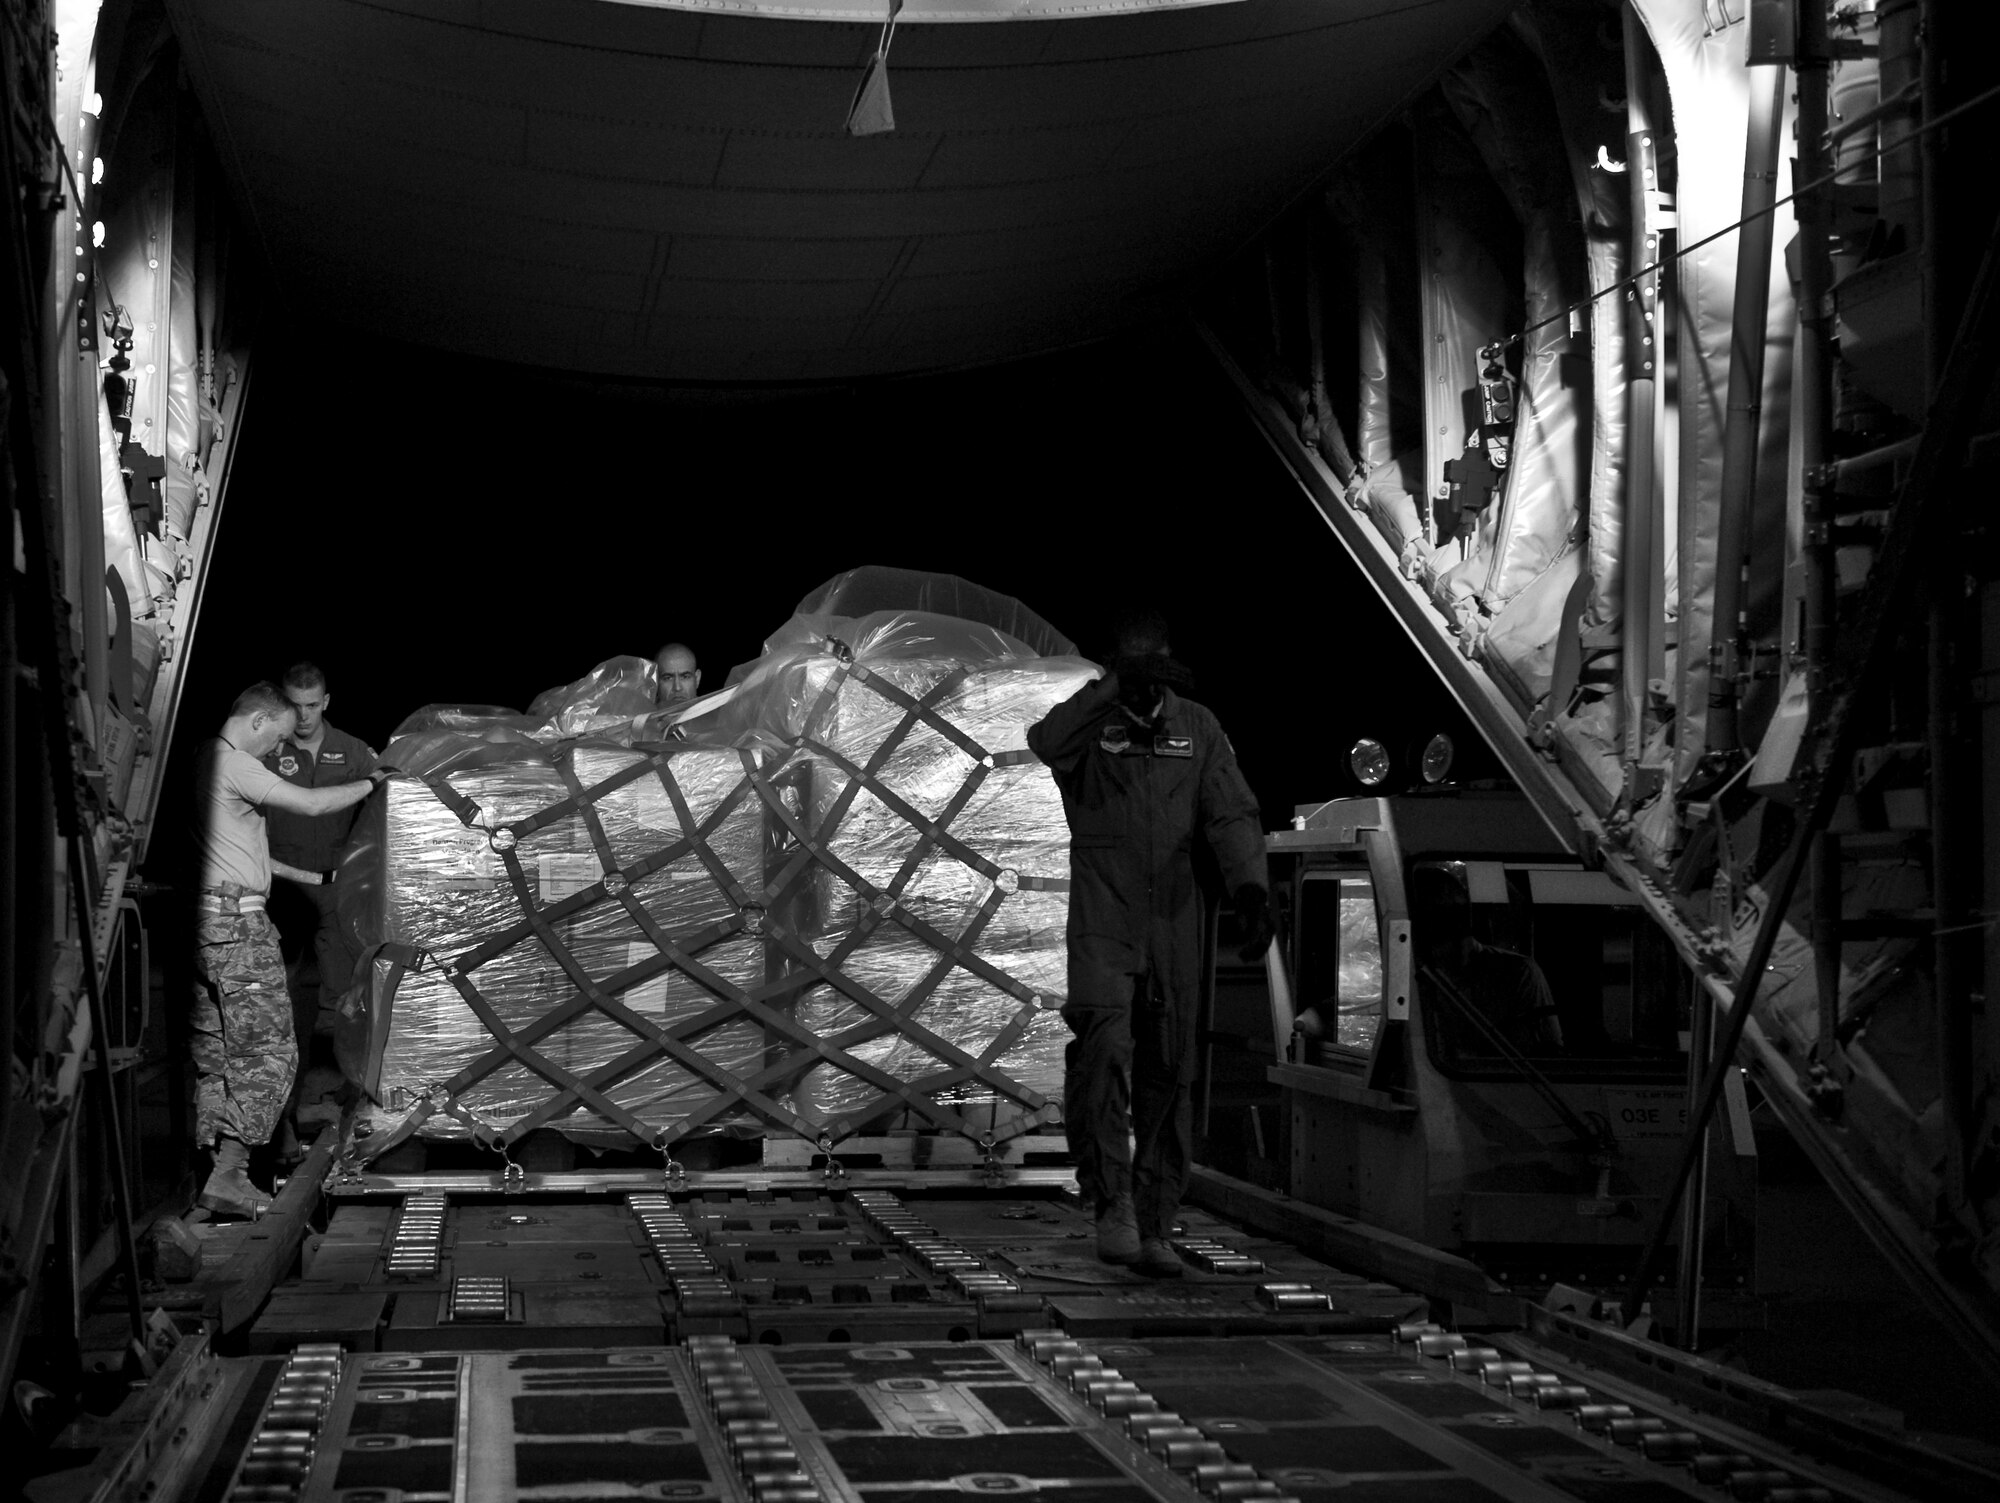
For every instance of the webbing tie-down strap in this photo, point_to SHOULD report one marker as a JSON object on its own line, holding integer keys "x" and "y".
{"x": 757, "y": 912}
{"x": 402, "y": 959}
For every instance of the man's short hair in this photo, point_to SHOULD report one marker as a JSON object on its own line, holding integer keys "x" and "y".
{"x": 262, "y": 698}
{"x": 304, "y": 676}
{"x": 1440, "y": 904}
{"x": 1436, "y": 887}
{"x": 1138, "y": 633}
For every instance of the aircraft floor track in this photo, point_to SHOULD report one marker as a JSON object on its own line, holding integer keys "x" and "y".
{"x": 665, "y": 1348}
{"x": 1320, "y": 1419}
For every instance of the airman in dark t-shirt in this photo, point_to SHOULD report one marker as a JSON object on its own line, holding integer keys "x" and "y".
{"x": 305, "y": 850}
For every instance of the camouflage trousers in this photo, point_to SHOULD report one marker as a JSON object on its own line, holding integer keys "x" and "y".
{"x": 245, "y": 1054}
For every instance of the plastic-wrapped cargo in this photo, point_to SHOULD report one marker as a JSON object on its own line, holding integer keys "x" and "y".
{"x": 837, "y": 899}
{"x": 557, "y": 982}
{"x": 893, "y": 748}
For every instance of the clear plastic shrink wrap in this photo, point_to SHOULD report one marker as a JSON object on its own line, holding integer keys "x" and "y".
{"x": 994, "y": 881}
{"x": 445, "y": 892}
{"x": 841, "y": 898}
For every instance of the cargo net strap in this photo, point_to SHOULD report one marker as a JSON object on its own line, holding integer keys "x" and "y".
{"x": 808, "y": 849}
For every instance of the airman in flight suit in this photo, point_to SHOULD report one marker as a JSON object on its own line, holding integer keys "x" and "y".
{"x": 1145, "y": 773}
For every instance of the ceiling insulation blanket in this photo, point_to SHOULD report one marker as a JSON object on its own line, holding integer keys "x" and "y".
{"x": 832, "y": 896}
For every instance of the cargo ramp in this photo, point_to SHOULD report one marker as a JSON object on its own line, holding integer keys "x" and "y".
{"x": 813, "y": 1334}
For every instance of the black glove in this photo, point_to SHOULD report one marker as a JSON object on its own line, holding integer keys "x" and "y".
{"x": 1254, "y": 922}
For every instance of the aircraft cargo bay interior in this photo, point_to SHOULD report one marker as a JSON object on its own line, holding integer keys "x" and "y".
{"x": 838, "y": 751}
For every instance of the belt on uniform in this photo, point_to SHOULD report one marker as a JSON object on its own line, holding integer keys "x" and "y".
{"x": 223, "y": 902}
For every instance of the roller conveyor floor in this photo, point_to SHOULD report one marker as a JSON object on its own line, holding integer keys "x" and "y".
{"x": 786, "y": 1265}
{"x": 856, "y": 1345}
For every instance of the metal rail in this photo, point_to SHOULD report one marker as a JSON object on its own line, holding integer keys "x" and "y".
{"x": 1564, "y": 810}
{"x": 632, "y": 1181}
{"x": 1745, "y": 1411}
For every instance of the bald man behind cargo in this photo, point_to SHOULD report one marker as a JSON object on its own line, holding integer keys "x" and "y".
{"x": 243, "y": 1045}
{"x": 680, "y": 676}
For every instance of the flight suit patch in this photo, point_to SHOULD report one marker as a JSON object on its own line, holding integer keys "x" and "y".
{"x": 288, "y": 767}
{"x": 333, "y": 757}
{"x": 1115, "y": 739}
{"x": 1173, "y": 746}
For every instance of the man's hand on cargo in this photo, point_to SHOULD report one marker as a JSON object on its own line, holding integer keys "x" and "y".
{"x": 1253, "y": 918}
{"x": 317, "y": 801}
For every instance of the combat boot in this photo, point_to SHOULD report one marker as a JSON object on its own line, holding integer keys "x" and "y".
{"x": 1157, "y": 1260}
{"x": 229, "y": 1190}
{"x": 1117, "y": 1231}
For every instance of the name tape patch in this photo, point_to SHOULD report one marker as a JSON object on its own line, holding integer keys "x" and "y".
{"x": 1117, "y": 740}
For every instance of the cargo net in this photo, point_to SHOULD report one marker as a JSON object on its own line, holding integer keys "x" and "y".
{"x": 860, "y": 922}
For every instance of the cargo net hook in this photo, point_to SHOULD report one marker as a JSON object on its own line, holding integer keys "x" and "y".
{"x": 673, "y": 1173}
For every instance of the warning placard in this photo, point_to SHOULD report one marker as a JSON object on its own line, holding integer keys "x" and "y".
{"x": 1647, "y": 1113}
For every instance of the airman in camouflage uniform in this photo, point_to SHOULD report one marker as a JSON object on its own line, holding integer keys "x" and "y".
{"x": 243, "y": 1046}
{"x": 245, "y": 1051}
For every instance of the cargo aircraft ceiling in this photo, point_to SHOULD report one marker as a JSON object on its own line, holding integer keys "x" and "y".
{"x": 666, "y": 190}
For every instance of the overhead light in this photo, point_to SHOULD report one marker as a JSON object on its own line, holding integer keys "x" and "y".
{"x": 1369, "y": 761}
{"x": 1435, "y": 763}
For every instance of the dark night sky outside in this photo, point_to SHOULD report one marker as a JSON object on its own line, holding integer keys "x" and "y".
{"x": 436, "y": 531}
